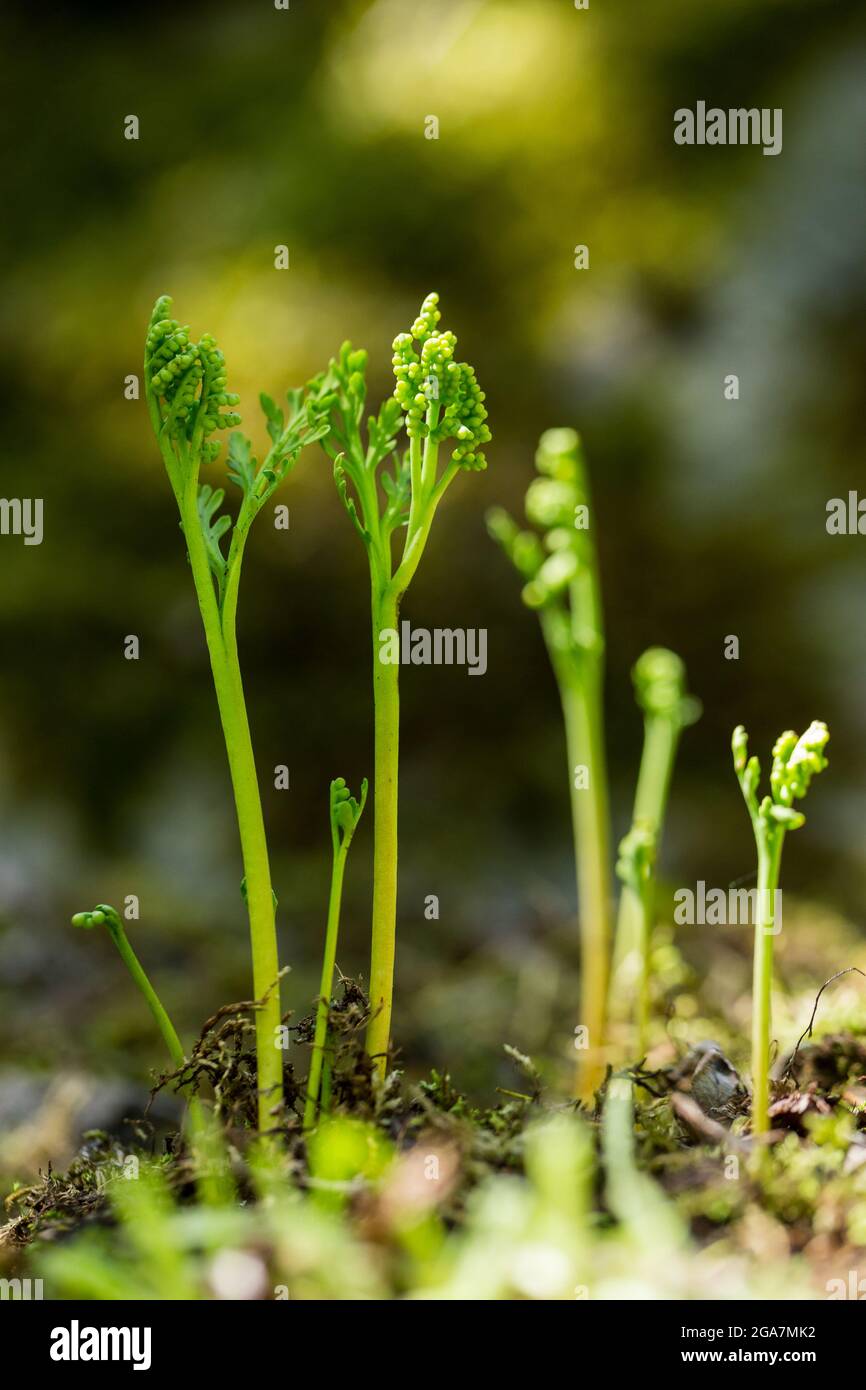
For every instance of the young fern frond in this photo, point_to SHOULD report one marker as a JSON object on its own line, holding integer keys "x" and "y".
{"x": 562, "y": 585}
{"x": 345, "y": 813}
{"x": 439, "y": 405}
{"x": 213, "y": 528}
{"x": 105, "y": 916}
{"x": 659, "y": 678}
{"x": 796, "y": 760}
{"x": 185, "y": 386}
{"x": 188, "y": 402}
{"x": 636, "y": 870}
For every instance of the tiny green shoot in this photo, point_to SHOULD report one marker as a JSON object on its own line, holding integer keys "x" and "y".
{"x": 212, "y": 1179}
{"x": 796, "y": 759}
{"x": 105, "y": 916}
{"x": 633, "y": 1199}
{"x": 636, "y": 870}
{"x": 659, "y": 678}
{"x": 437, "y": 400}
{"x": 345, "y": 813}
{"x": 185, "y": 383}
{"x": 562, "y": 585}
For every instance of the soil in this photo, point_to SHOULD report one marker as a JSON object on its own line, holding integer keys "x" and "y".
{"x": 801, "y": 1189}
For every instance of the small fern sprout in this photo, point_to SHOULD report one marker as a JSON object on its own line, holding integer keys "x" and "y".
{"x": 659, "y": 678}
{"x": 105, "y": 916}
{"x": 635, "y": 868}
{"x": 345, "y": 812}
{"x": 796, "y": 760}
{"x": 558, "y": 564}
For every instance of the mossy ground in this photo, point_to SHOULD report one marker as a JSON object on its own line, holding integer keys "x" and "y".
{"x": 221, "y": 1071}
{"x": 798, "y": 1195}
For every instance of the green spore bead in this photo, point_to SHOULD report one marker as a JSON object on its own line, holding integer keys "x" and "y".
{"x": 659, "y": 678}
{"x": 740, "y": 748}
{"x": 551, "y": 503}
{"x": 101, "y": 915}
{"x": 523, "y": 548}
{"x": 558, "y": 454}
{"x": 501, "y": 527}
{"x": 559, "y": 538}
{"x": 786, "y": 816}
{"x": 554, "y": 576}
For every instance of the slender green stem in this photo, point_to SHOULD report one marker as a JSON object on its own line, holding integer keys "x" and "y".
{"x": 579, "y": 672}
{"x": 326, "y": 986}
{"x": 136, "y": 970}
{"x": 416, "y": 536}
{"x": 386, "y": 697}
{"x": 584, "y": 721}
{"x": 651, "y": 1222}
{"x": 387, "y": 592}
{"x": 661, "y": 737}
{"x": 645, "y": 926}
{"x": 581, "y": 704}
{"x": 222, "y": 648}
{"x": 201, "y": 1127}
{"x": 325, "y": 1087}
{"x": 769, "y": 859}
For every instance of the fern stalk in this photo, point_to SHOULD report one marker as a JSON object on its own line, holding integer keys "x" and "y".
{"x": 185, "y": 385}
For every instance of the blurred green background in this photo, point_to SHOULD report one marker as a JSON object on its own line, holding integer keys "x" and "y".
{"x": 306, "y": 127}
